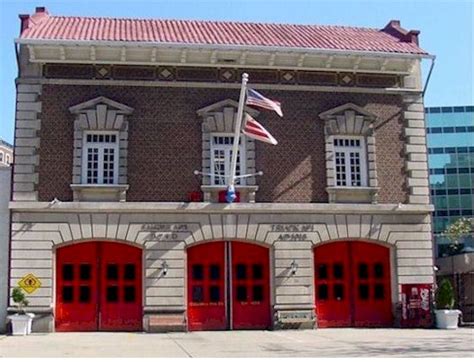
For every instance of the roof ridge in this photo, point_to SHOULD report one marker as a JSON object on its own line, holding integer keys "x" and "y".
{"x": 215, "y": 22}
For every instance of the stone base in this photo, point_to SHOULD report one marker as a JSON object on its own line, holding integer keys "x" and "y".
{"x": 164, "y": 322}
{"x": 294, "y": 319}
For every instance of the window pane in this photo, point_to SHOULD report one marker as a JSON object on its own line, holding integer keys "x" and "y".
{"x": 355, "y": 168}
{"x": 257, "y": 293}
{"x": 378, "y": 270}
{"x": 84, "y": 294}
{"x": 340, "y": 169}
{"x": 92, "y": 165}
{"x": 112, "y": 294}
{"x": 379, "y": 292}
{"x": 129, "y": 272}
{"x": 363, "y": 271}
{"x": 112, "y": 271}
{"x": 322, "y": 271}
{"x": 322, "y": 292}
{"x": 257, "y": 271}
{"x": 339, "y": 291}
{"x": 198, "y": 272}
{"x": 363, "y": 291}
{"x": 68, "y": 272}
{"x": 85, "y": 271}
{"x": 221, "y": 159}
{"x": 214, "y": 294}
{"x": 197, "y": 295}
{"x": 68, "y": 294}
{"x": 214, "y": 272}
{"x": 241, "y": 293}
{"x": 338, "y": 270}
{"x": 129, "y": 294}
{"x": 241, "y": 271}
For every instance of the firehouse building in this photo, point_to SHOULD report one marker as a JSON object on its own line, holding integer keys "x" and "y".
{"x": 112, "y": 228}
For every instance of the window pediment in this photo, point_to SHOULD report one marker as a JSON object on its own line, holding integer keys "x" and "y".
{"x": 94, "y": 103}
{"x": 348, "y": 119}
{"x": 100, "y": 113}
{"x": 219, "y": 107}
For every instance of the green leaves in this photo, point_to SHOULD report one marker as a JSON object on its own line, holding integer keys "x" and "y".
{"x": 445, "y": 295}
{"x": 458, "y": 229}
{"x": 19, "y": 298}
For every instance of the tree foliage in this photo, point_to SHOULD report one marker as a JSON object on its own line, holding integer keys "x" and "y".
{"x": 458, "y": 229}
{"x": 20, "y": 299}
{"x": 445, "y": 295}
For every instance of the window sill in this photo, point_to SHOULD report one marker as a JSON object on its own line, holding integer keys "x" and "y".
{"x": 355, "y": 195}
{"x": 211, "y": 192}
{"x": 88, "y": 192}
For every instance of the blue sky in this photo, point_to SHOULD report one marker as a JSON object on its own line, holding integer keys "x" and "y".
{"x": 446, "y": 31}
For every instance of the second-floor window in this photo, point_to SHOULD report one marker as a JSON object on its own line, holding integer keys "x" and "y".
{"x": 100, "y": 158}
{"x": 221, "y": 156}
{"x": 7, "y": 159}
{"x": 350, "y": 161}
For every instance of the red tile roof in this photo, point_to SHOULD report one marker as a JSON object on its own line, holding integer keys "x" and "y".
{"x": 392, "y": 38}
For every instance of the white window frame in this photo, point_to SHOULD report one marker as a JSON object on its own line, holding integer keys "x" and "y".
{"x": 1, "y": 156}
{"x": 7, "y": 159}
{"x": 101, "y": 146}
{"x": 227, "y": 149}
{"x": 347, "y": 150}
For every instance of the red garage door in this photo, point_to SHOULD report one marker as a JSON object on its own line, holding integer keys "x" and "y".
{"x": 352, "y": 285}
{"x": 228, "y": 286}
{"x": 99, "y": 287}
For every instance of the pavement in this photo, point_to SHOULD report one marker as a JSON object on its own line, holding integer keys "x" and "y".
{"x": 290, "y": 343}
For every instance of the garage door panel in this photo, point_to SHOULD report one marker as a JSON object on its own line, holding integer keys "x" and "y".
{"x": 352, "y": 285}
{"x": 206, "y": 287}
{"x": 99, "y": 287}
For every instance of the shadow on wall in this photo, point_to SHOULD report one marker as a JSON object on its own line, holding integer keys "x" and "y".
{"x": 295, "y": 169}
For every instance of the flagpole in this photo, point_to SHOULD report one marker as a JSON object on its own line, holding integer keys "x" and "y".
{"x": 235, "y": 148}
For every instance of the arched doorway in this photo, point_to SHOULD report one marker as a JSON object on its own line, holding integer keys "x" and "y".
{"x": 98, "y": 287}
{"x": 352, "y": 285}
{"x": 228, "y": 286}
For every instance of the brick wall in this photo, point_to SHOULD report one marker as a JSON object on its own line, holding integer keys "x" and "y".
{"x": 165, "y": 142}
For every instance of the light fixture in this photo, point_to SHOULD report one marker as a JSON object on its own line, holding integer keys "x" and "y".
{"x": 164, "y": 267}
{"x": 293, "y": 267}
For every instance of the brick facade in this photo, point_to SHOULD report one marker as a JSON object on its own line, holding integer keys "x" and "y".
{"x": 165, "y": 142}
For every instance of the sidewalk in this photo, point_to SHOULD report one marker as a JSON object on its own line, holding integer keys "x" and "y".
{"x": 306, "y": 343}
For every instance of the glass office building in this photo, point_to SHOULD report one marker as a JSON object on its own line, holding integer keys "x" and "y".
{"x": 450, "y": 137}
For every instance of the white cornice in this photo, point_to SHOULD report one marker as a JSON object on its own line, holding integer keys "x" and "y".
{"x": 206, "y": 207}
{"x": 211, "y": 55}
{"x": 278, "y": 49}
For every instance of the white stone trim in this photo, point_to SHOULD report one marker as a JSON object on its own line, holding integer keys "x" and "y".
{"x": 100, "y": 114}
{"x": 350, "y": 120}
{"x": 205, "y": 207}
{"x": 27, "y": 142}
{"x": 416, "y": 153}
{"x": 219, "y": 119}
{"x": 166, "y": 235}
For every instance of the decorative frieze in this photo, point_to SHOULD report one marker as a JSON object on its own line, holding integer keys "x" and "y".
{"x": 224, "y": 75}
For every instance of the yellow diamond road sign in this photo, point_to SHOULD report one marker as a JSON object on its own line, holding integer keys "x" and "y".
{"x": 29, "y": 283}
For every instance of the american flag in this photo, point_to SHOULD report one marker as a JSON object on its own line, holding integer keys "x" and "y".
{"x": 256, "y": 99}
{"x": 255, "y": 130}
